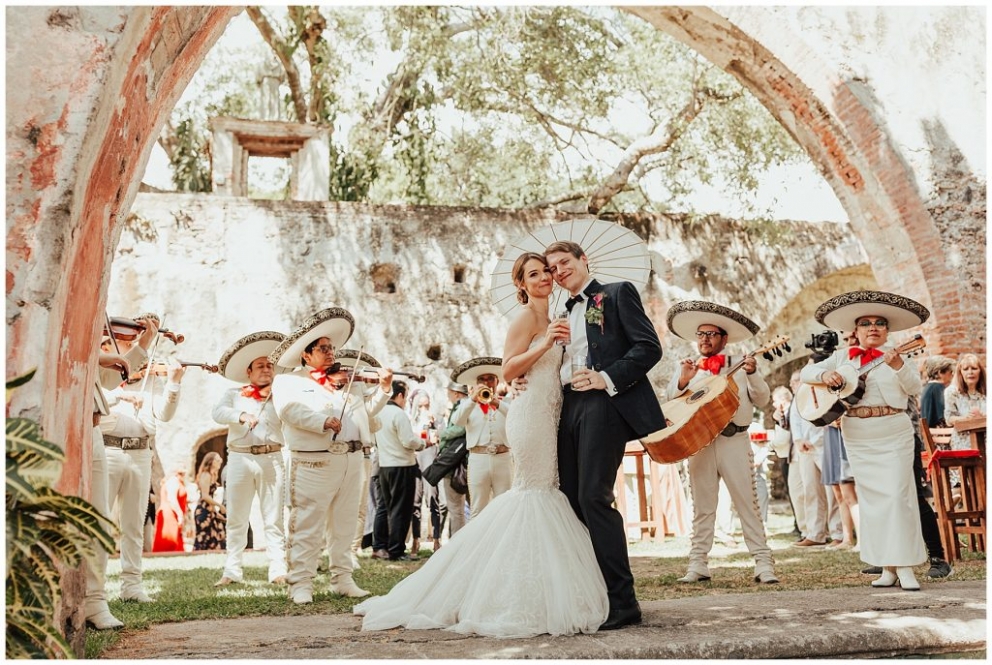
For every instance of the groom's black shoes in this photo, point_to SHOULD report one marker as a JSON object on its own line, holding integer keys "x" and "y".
{"x": 627, "y": 616}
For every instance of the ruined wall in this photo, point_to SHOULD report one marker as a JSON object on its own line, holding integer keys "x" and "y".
{"x": 217, "y": 268}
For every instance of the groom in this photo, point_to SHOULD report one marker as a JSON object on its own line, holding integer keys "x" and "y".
{"x": 605, "y": 406}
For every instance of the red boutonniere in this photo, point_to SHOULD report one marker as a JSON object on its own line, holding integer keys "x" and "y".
{"x": 594, "y": 311}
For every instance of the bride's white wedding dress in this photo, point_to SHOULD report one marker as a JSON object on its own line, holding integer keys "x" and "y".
{"x": 525, "y": 565}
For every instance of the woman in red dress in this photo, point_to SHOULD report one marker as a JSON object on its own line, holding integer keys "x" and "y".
{"x": 169, "y": 518}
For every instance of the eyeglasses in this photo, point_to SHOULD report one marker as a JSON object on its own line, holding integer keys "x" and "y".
{"x": 880, "y": 323}
{"x": 324, "y": 348}
{"x": 708, "y": 334}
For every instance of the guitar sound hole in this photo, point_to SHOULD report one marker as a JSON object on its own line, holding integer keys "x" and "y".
{"x": 696, "y": 396}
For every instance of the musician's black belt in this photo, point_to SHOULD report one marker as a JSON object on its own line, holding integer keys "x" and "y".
{"x": 126, "y": 442}
{"x": 733, "y": 429}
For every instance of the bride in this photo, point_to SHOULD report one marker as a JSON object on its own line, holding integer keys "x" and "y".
{"x": 525, "y": 565}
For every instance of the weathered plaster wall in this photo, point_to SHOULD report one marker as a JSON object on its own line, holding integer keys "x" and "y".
{"x": 217, "y": 268}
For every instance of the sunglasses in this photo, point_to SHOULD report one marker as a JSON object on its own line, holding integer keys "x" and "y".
{"x": 708, "y": 334}
{"x": 880, "y": 323}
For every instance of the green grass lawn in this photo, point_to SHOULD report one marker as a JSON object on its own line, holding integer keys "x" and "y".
{"x": 183, "y": 584}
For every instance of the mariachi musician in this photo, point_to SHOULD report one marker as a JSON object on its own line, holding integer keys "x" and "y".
{"x": 129, "y": 435}
{"x": 254, "y": 453}
{"x": 326, "y": 458}
{"x": 730, "y": 456}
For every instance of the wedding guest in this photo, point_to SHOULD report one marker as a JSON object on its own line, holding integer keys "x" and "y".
{"x": 171, "y": 510}
{"x": 939, "y": 371}
{"x": 425, "y": 426}
{"x": 877, "y": 431}
{"x": 965, "y": 397}
{"x": 781, "y": 401}
{"x": 210, "y": 514}
{"x": 457, "y": 501}
{"x": 807, "y": 489}
{"x": 397, "y": 444}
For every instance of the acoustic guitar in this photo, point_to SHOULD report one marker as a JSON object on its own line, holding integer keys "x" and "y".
{"x": 698, "y": 415}
{"x": 821, "y": 404}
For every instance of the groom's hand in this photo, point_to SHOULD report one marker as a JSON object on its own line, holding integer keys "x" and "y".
{"x": 586, "y": 379}
{"x": 519, "y": 384}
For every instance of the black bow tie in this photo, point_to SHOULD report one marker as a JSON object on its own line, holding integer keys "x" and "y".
{"x": 570, "y": 303}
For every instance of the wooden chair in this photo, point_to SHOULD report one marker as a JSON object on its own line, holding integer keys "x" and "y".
{"x": 960, "y": 511}
{"x": 651, "y": 522}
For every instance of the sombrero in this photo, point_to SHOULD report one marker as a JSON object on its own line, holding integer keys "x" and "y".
{"x": 349, "y": 358}
{"x": 458, "y": 387}
{"x": 840, "y": 312}
{"x": 685, "y": 317}
{"x": 234, "y": 362}
{"x": 334, "y": 323}
{"x": 468, "y": 372}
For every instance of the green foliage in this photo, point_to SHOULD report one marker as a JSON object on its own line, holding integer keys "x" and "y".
{"x": 45, "y": 530}
{"x": 190, "y": 159}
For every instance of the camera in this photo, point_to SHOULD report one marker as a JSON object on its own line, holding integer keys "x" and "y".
{"x": 822, "y": 344}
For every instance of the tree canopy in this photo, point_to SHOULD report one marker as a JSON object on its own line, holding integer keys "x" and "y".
{"x": 588, "y": 109}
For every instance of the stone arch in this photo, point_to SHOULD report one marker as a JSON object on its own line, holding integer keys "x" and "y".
{"x": 212, "y": 441}
{"x": 835, "y": 119}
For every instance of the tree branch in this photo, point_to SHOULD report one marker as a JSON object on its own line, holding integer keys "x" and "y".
{"x": 284, "y": 54}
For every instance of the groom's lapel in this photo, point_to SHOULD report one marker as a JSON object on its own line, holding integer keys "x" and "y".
{"x": 593, "y": 288}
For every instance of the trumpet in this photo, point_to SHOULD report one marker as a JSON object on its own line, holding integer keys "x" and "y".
{"x": 484, "y": 396}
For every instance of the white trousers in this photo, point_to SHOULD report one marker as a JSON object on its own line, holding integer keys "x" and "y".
{"x": 363, "y": 508}
{"x": 129, "y": 476}
{"x": 456, "y": 507}
{"x": 96, "y": 571}
{"x": 247, "y": 476}
{"x": 488, "y": 477}
{"x": 321, "y": 483}
{"x": 814, "y": 497}
{"x": 732, "y": 460}
{"x": 796, "y": 490}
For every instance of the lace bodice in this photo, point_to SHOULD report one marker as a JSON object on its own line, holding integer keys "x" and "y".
{"x": 532, "y": 425}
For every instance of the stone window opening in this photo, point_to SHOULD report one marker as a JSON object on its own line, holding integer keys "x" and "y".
{"x": 458, "y": 272}
{"x": 385, "y": 277}
{"x": 434, "y": 352}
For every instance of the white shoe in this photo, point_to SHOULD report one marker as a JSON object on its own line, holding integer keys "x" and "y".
{"x": 104, "y": 621}
{"x": 224, "y": 581}
{"x": 693, "y": 576}
{"x": 136, "y": 596}
{"x": 349, "y": 588}
{"x": 766, "y": 577}
{"x": 354, "y": 562}
{"x": 907, "y": 580}
{"x": 302, "y": 596}
{"x": 888, "y": 578}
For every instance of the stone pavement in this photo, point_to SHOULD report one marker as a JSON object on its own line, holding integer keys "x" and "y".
{"x": 835, "y": 623}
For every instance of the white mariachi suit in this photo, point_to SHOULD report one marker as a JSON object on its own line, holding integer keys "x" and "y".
{"x": 324, "y": 476}
{"x": 254, "y": 467}
{"x": 129, "y": 439}
{"x": 490, "y": 473}
{"x": 362, "y": 408}
{"x": 732, "y": 459}
{"x": 96, "y": 572}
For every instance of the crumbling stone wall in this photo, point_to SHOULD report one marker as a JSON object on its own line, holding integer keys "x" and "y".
{"x": 217, "y": 268}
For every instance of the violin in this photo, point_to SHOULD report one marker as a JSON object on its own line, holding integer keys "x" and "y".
{"x": 367, "y": 375}
{"x": 162, "y": 369}
{"x": 128, "y": 330}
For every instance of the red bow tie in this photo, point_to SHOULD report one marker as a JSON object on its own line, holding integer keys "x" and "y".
{"x": 253, "y": 392}
{"x": 485, "y": 408}
{"x": 713, "y": 364}
{"x": 867, "y": 355}
{"x": 319, "y": 376}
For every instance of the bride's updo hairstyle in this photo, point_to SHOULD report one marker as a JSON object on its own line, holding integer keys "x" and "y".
{"x": 518, "y": 273}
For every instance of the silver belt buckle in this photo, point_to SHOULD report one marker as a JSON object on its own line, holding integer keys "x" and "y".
{"x": 338, "y": 447}
{"x": 130, "y": 443}
{"x": 492, "y": 449}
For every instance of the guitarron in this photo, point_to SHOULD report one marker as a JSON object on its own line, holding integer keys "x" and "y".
{"x": 697, "y": 416}
{"x": 821, "y": 404}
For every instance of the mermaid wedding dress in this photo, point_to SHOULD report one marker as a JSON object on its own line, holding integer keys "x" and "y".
{"x": 525, "y": 565}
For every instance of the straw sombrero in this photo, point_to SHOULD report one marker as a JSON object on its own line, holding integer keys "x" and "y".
{"x": 685, "y": 317}
{"x": 840, "y": 312}
{"x": 334, "y": 323}
{"x": 234, "y": 362}
{"x": 468, "y": 372}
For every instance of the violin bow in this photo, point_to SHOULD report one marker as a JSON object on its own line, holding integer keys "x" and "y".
{"x": 151, "y": 356}
{"x": 347, "y": 391}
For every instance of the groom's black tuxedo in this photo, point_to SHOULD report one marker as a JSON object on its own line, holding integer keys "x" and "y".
{"x": 626, "y": 347}
{"x": 595, "y": 426}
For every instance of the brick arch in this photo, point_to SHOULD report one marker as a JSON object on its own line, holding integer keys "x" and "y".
{"x": 835, "y": 119}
